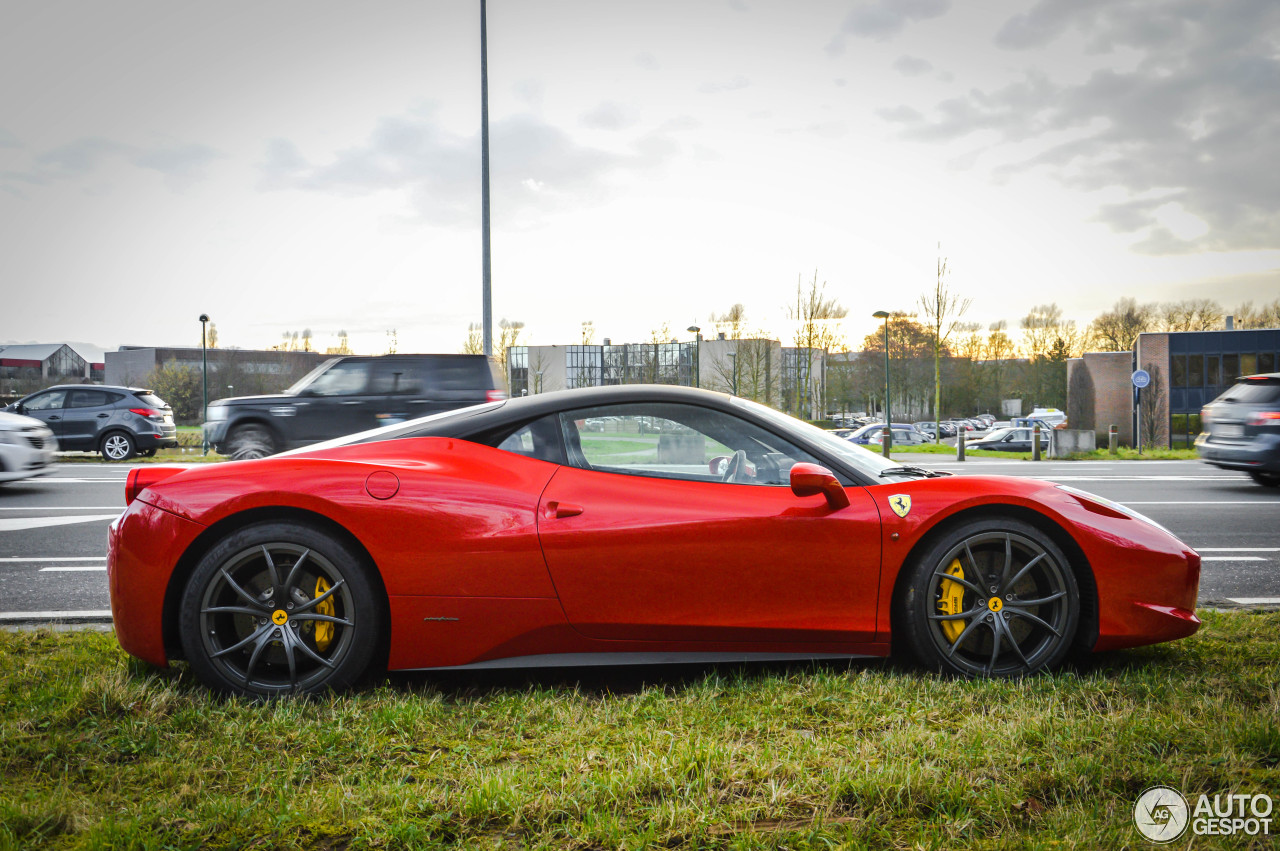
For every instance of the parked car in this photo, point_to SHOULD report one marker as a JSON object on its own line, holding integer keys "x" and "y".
{"x": 496, "y": 536}
{"x": 1002, "y": 424}
{"x": 1053, "y": 416}
{"x": 863, "y": 435}
{"x": 27, "y": 447}
{"x": 1242, "y": 429}
{"x": 901, "y": 437}
{"x": 119, "y": 422}
{"x": 1009, "y": 440}
{"x": 347, "y": 395}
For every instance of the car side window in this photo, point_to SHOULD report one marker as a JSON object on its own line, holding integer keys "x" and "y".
{"x": 45, "y": 401}
{"x": 676, "y": 441}
{"x": 400, "y": 378}
{"x": 86, "y": 399}
{"x": 342, "y": 379}
{"x": 539, "y": 439}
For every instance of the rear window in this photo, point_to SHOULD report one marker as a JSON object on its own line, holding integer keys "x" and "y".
{"x": 468, "y": 374}
{"x": 151, "y": 400}
{"x": 1257, "y": 392}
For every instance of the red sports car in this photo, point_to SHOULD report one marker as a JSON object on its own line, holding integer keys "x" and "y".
{"x": 615, "y": 525}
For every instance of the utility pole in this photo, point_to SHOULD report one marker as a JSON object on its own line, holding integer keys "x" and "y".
{"x": 487, "y": 284}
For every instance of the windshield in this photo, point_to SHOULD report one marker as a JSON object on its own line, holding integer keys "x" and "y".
{"x": 296, "y": 387}
{"x": 852, "y": 454}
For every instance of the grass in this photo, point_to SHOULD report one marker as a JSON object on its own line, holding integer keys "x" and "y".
{"x": 98, "y": 751}
{"x": 1123, "y": 453}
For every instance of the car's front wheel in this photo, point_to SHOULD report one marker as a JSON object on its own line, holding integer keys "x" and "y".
{"x": 1271, "y": 480}
{"x": 991, "y": 598}
{"x": 118, "y": 446}
{"x": 279, "y": 608}
{"x": 250, "y": 441}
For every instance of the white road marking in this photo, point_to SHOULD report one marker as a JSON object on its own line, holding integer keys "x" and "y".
{"x": 17, "y": 524}
{"x": 115, "y": 481}
{"x": 92, "y": 568}
{"x": 1237, "y": 549}
{"x": 62, "y": 508}
{"x": 1232, "y": 558}
{"x": 53, "y": 616}
{"x": 1256, "y": 601}
{"x": 52, "y": 558}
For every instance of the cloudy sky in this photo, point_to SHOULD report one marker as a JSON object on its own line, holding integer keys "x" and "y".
{"x": 293, "y": 165}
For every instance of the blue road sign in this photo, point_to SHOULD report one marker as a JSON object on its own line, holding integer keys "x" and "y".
{"x": 1141, "y": 378}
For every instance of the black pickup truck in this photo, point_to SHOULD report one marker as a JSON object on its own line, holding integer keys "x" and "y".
{"x": 346, "y": 395}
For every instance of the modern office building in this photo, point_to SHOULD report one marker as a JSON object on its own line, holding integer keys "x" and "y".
{"x": 758, "y": 369}
{"x": 26, "y": 368}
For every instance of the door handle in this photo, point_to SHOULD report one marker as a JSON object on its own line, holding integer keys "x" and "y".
{"x": 353, "y": 402}
{"x": 103, "y": 415}
{"x": 52, "y": 419}
{"x": 557, "y": 510}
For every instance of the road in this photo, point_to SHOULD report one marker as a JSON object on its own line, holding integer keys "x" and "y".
{"x": 53, "y": 530}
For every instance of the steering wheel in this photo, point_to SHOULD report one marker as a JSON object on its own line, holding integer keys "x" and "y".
{"x": 737, "y": 464}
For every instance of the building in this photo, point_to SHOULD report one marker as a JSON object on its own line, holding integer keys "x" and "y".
{"x": 29, "y": 367}
{"x": 232, "y": 372}
{"x": 758, "y": 369}
{"x": 1188, "y": 370}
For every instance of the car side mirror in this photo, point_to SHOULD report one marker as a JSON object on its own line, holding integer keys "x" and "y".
{"x": 811, "y": 480}
{"x": 719, "y": 465}
{"x": 20, "y": 408}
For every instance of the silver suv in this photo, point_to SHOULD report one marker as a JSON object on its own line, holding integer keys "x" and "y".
{"x": 1242, "y": 429}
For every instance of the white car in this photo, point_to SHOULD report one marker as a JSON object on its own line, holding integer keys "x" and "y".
{"x": 27, "y": 447}
{"x": 901, "y": 437}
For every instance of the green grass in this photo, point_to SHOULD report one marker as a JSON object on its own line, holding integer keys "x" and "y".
{"x": 98, "y": 751}
{"x": 1123, "y": 453}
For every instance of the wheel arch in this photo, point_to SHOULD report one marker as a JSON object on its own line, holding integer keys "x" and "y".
{"x": 1087, "y": 631}
{"x": 209, "y": 538}
{"x": 257, "y": 420}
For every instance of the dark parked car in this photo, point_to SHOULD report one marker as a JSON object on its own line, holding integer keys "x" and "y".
{"x": 1242, "y": 429}
{"x": 119, "y": 422}
{"x": 347, "y": 395}
{"x": 862, "y": 436}
{"x": 1009, "y": 440}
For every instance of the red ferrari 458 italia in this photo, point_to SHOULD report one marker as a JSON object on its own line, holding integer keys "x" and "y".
{"x": 616, "y": 525}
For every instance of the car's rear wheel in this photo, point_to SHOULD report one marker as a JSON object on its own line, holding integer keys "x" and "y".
{"x": 991, "y": 598}
{"x": 279, "y": 608}
{"x": 118, "y": 446}
{"x": 250, "y": 441}
{"x": 1271, "y": 480}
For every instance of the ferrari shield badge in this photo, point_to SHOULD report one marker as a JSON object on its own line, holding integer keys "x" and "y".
{"x": 901, "y": 504}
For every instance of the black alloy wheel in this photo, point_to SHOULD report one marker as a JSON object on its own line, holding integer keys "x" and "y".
{"x": 279, "y": 608}
{"x": 992, "y": 598}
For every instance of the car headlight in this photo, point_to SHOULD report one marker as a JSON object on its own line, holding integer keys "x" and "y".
{"x": 1113, "y": 505}
{"x": 217, "y": 412}
{"x": 9, "y": 437}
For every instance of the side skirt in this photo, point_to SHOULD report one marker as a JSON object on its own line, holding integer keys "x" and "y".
{"x": 572, "y": 660}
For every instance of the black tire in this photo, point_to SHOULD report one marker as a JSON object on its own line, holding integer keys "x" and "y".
{"x": 279, "y": 608}
{"x": 146, "y": 453}
{"x": 1270, "y": 480}
{"x": 118, "y": 446}
{"x": 958, "y": 624}
{"x": 251, "y": 441}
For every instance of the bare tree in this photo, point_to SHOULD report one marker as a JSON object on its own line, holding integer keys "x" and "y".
{"x": 1117, "y": 329}
{"x": 212, "y": 337}
{"x": 942, "y": 309}
{"x": 508, "y": 336}
{"x": 732, "y": 323}
{"x": 343, "y": 347}
{"x": 817, "y": 329}
{"x": 588, "y": 333}
{"x": 1194, "y": 314}
{"x": 1264, "y": 316}
{"x": 474, "y": 343}
{"x": 393, "y": 342}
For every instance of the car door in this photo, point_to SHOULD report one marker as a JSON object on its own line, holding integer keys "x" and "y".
{"x": 47, "y": 407}
{"x": 340, "y": 401}
{"x": 644, "y": 541}
{"x": 83, "y": 414}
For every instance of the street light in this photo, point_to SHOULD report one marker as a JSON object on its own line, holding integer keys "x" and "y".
{"x": 697, "y": 362}
{"x": 204, "y": 362}
{"x": 887, "y": 443}
{"x": 733, "y": 362}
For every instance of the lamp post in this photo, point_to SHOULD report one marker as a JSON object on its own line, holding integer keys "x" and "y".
{"x": 697, "y": 356}
{"x": 733, "y": 361}
{"x": 887, "y": 443}
{"x": 204, "y": 363}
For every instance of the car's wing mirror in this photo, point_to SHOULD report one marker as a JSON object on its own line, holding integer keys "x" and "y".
{"x": 719, "y": 465}
{"x": 811, "y": 480}
{"x": 20, "y": 408}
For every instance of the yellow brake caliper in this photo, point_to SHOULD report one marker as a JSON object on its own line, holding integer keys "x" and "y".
{"x": 950, "y": 601}
{"x": 324, "y": 629}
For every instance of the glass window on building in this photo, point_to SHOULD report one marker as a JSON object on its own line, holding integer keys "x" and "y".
{"x": 584, "y": 366}
{"x": 1248, "y": 363}
{"x": 518, "y": 371}
{"x": 1230, "y": 368}
{"x": 1195, "y": 370}
{"x": 1179, "y": 370}
{"x": 1212, "y": 371}
{"x": 1267, "y": 362}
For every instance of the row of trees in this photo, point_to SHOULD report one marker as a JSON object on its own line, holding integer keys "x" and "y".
{"x": 1117, "y": 329}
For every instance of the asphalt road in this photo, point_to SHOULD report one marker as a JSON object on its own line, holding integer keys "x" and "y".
{"x": 53, "y": 529}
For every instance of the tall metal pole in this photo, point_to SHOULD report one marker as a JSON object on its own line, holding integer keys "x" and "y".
{"x": 204, "y": 361}
{"x": 487, "y": 284}
{"x": 887, "y": 444}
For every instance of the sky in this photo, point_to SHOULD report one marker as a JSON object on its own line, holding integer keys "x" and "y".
{"x": 292, "y": 165}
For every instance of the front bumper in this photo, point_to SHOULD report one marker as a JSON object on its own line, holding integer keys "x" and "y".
{"x": 23, "y": 461}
